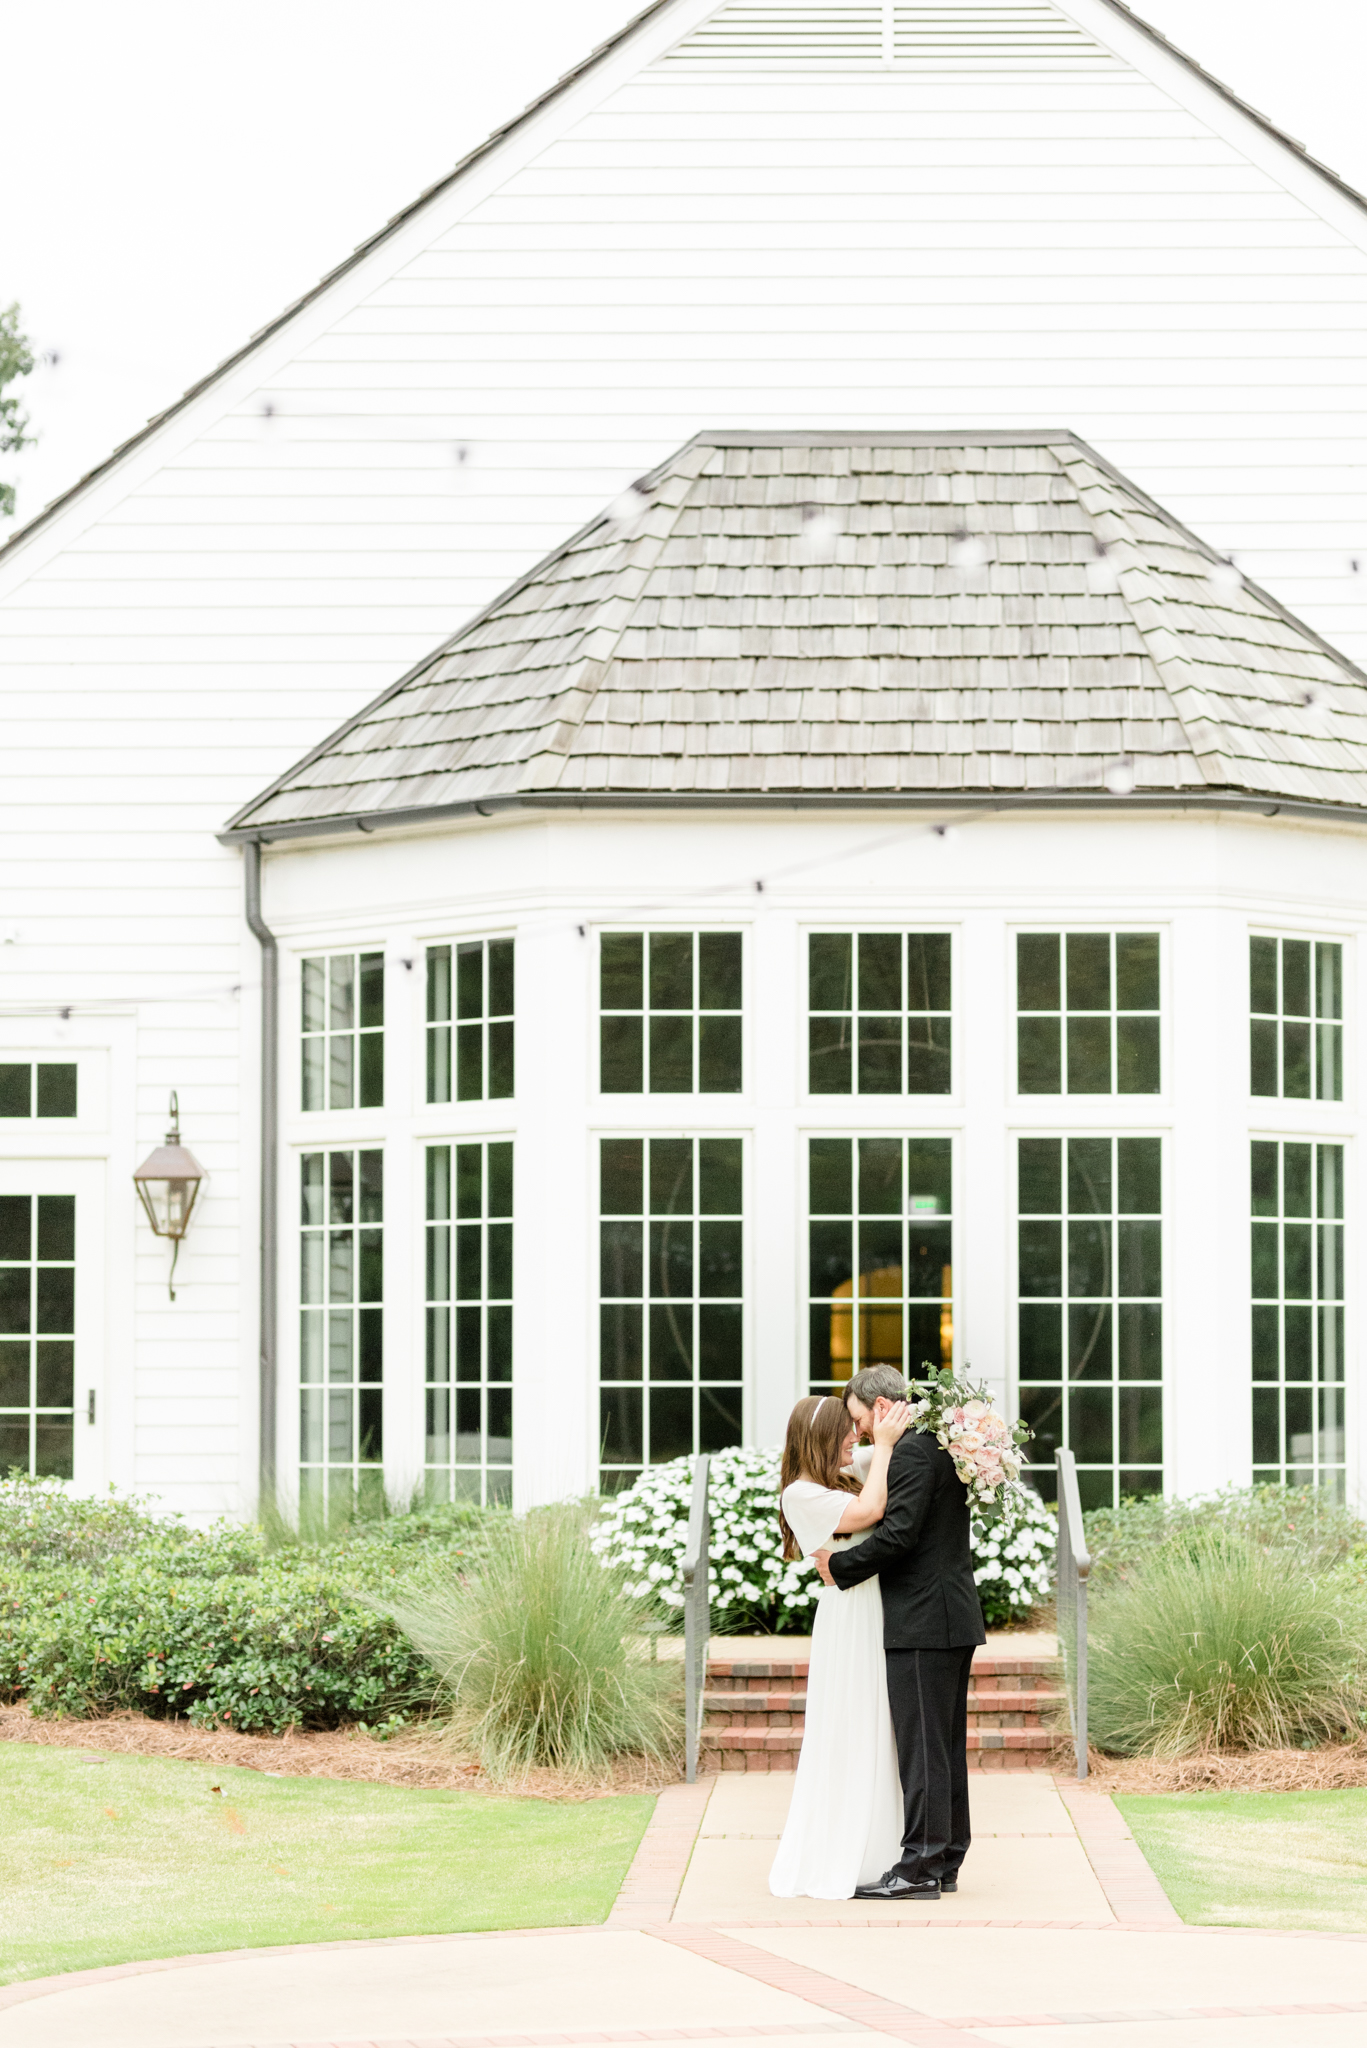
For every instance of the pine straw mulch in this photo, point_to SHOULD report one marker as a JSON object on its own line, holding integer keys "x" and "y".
{"x": 415, "y": 1759}
{"x": 1338, "y": 1767}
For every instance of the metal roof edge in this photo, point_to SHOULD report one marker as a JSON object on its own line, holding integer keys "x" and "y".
{"x": 330, "y": 277}
{"x": 882, "y": 437}
{"x": 1231, "y": 98}
{"x": 1149, "y": 801}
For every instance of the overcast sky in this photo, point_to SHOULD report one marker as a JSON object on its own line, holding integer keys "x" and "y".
{"x": 175, "y": 173}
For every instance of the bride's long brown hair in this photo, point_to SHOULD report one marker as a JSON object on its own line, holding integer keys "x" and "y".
{"x": 817, "y": 1428}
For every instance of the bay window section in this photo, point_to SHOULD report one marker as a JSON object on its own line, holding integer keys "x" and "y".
{"x": 1090, "y": 1315}
{"x": 470, "y": 1021}
{"x": 343, "y": 1031}
{"x": 1298, "y": 1301}
{"x": 671, "y": 1343}
{"x": 880, "y": 1256}
{"x": 670, "y": 1013}
{"x": 1295, "y": 1029}
{"x": 1087, "y": 1013}
{"x": 879, "y": 1013}
{"x": 341, "y": 1333}
{"x": 469, "y": 1322}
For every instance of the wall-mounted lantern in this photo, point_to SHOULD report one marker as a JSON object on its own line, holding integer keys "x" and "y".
{"x": 168, "y": 1183}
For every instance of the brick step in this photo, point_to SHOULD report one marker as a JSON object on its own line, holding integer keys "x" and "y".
{"x": 754, "y": 1712}
{"x": 754, "y": 1702}
{"x": 1014, "y": 1702}
{"x": 1011, "y": 1738}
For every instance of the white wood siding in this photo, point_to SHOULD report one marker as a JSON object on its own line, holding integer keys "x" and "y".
{"x": 967, "y": 235}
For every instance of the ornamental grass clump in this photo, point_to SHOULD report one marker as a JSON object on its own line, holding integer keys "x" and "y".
{"x": 539, "y": 1657}
{"x": 1221, "y": 1642}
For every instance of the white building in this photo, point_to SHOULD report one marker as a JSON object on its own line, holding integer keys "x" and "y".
{"x": 843, "y": 233}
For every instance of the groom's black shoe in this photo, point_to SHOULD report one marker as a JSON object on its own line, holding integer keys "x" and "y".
{"x": 891, "y": 1886}
{"x": 949, "y": 1884}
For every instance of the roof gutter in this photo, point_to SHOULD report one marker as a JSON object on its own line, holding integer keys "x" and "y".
{"x": 269, "y": 1146}
{"x": 936, "y": 802}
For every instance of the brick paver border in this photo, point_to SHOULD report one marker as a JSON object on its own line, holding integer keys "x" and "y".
{"x": 1124, "y": 1873}
{"x": 860, "y": 2008}
{"x": 651, "y": 1887}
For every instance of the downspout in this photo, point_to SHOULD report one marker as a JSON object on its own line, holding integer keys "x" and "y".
{"x": 270, "y": 1036}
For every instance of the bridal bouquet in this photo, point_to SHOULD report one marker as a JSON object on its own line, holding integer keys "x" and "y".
{"x": 983, "y": 1445}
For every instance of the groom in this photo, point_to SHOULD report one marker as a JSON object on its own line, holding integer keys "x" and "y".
{"x": 931, "y": 1622}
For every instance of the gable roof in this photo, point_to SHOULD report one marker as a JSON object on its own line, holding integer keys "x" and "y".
{"x": 501, "y": 135}
{"x": 858, "y": 615}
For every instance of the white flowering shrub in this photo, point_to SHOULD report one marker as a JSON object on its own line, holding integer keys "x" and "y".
{"x": 642, "y": 1534}
{"x": 1013, "y": 1557}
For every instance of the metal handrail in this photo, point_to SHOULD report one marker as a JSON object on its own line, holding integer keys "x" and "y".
{"x": 1074, "y": 1570}
{"x": 697, "y": 1613}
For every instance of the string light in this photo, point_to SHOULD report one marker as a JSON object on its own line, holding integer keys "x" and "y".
{"x": 1225, "y": 578}
{"x": 819, "y": 533}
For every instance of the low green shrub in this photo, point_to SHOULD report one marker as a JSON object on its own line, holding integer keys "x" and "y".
{"x": 537, "y": 1655}
{"x": 104, "y": 1606}
{"x": 1219, "y": 1640}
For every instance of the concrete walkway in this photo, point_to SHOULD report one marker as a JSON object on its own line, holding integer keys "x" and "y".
{"x": 1059, "y": 1926}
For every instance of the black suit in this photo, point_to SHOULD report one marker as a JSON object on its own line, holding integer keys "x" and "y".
{"x": 932, "y": 1621}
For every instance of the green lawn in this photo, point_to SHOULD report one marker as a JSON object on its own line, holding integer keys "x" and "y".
{"x": 137, "y": 1857}
{"x": 1258, "y": 1859}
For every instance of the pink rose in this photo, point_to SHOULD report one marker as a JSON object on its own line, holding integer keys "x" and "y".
{"x": 973, "y": 1409}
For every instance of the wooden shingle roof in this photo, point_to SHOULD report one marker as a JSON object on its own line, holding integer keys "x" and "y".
{"x": 865, "y": 615}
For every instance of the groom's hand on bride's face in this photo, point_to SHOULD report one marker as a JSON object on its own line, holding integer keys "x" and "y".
{"x": 822, "y": 1560}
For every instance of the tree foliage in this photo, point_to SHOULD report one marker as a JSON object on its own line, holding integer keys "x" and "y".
{"x": 16, "y": 360}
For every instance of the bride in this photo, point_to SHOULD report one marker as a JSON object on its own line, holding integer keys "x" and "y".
{"x": 845, "y": 1822}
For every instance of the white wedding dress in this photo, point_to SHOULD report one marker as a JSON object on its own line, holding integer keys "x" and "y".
{"x": 845, "y": 1822}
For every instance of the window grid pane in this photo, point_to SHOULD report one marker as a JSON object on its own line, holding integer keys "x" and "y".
{"x": 1087, "y": 1013}
{"x": 1297, "y": 1314}
{"x": 42, "y": 1088}
{"x": 878, "y": 1013}
{"x": 670, "y": 1010}
{"x": 1296, "y": 1018}
{"x": 341, "y": 1334}
{"x": 1090, "y": 1314}
{"x": 342, "y": 1031}
{"x": 469, "y": 1316}
{"x": 37, "y": 1334}
{"x": 470, "y": 1021}
{"x": 880, "y": 1256}
{"x": 671, "y": 1356}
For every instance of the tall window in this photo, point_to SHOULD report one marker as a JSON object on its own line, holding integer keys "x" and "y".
{"x": 1091, "y": 1311}
{"x": 37, "y": 1334}
{"x": 879, "y": 1013}
{"x": 341, "y": 1334}
{"x": 1087, "y": 1013}
{"x": 671, "y": 1352}
{"x": 470, "y": 1322}
{"x": 46, "y": 1088}
{"x": 670, "y": 1019}
{"x": 1296, "y": 1028}
{"x": 1298, "y": 1276}
{"x": 470, "y": 1021}
{"x": 343, "y": 1019}
{"x": 881, "y": 1256}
